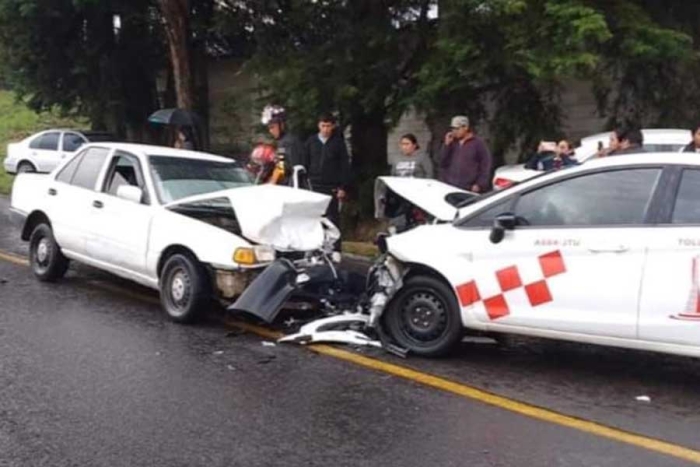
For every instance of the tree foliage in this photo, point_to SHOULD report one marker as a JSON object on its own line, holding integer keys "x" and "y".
{"x": 69, "y": 54}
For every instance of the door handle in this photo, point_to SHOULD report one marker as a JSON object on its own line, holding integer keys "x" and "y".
{"x": 52, "y": 192}
{"x": 609, "y": 249}
{"x": 98, "y": 204}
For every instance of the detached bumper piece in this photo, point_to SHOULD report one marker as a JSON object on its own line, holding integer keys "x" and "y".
{"x": 267, "y": 294}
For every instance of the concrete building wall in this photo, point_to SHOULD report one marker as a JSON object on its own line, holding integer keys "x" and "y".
{"x": 235, "y": 111}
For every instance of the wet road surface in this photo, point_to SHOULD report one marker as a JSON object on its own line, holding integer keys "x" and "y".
{"x": 92, "y": 376}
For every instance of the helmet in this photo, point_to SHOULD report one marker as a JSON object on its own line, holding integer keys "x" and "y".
{"x": 263, "y": 154}
{"x": 273, "y": 114}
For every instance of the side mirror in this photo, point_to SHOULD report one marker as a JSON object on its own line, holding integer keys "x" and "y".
{"x": 130, "y": 193}
{"x": 502, "y": 222}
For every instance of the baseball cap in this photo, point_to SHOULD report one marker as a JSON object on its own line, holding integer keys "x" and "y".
{"x": 459, "y": 121}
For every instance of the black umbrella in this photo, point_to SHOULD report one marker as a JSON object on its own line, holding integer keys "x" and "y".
{"x": 177, "y": 117}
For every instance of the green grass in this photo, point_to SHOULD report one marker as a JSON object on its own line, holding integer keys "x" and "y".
{"x": 18, "y": 122}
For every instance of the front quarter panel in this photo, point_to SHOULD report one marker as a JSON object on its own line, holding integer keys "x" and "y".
{"x": 444, "y": 249}
{"x": 210, "y": 244}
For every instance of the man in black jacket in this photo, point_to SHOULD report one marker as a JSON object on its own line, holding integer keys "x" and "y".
{"x": 328, "y": 164}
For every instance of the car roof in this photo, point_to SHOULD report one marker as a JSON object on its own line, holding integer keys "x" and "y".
{"x": 150, "y": 150}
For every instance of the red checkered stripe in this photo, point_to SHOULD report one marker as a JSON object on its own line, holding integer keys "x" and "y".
{"x": 538, "y": 293}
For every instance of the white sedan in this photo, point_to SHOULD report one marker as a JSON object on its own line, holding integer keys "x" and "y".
{"x": 604, "y": 253}
{"x": 189, "y": 224}
{"x": 43, "y": 151}
{"x": 655, "y": 140}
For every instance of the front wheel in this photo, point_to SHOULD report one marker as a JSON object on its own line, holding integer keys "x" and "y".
{"x": 45, "y": 257}
{"x": 184, "y": 289}
{"x": 424, "y": 317}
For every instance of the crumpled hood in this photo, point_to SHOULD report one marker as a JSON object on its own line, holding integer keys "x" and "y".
{"x": 285, "y": 218}
{"x": 429, "y": 195}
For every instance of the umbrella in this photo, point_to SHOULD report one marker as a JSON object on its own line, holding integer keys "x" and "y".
{"x": 177, "y": 117}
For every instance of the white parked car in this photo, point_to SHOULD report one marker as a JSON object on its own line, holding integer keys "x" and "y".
{"x": 188, "y": 224}
{"x": 604, "y": 253}
{"x": 655, "y": 140}
{"x": 42, "y": 152}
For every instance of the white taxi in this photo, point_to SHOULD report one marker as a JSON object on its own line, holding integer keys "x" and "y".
{"x": 605, "y": 253}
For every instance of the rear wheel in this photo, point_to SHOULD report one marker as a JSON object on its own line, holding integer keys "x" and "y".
{"x": 184, "y": 289}
{"x": 25, "y": 168}
{"x": 45, "y": 257}
{"x": 424, "y": 317}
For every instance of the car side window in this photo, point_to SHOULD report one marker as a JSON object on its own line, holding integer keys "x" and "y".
{"x": 485, "y": 218}
{"x": 124, "y": 170}
{"x": 615, "y": 197}
{"x": 72, "y": 141}
{"x": 47, "y": 141}
{"x": 67, "y": 172}
{"x": 687, "y": 209}
{"x": 89, "y": 168}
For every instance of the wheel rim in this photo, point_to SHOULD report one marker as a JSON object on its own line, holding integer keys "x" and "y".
{"x": 179, "y": 291}
{"x": 42, "y": 254}
{"x": 423, "y": 317}
{"x": 24, "y": 168}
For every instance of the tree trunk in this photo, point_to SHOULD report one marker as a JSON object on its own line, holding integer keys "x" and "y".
{"x": 176, "y": 15}
{"x": 369, "y": 137}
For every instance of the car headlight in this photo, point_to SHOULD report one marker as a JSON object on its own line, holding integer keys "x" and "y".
{"x": 254, "y": 255}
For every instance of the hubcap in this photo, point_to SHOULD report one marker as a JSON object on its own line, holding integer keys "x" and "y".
{"x": 180, "y": 290}
{"x": 43, "y": 251}
{"x": 178, "y": 287}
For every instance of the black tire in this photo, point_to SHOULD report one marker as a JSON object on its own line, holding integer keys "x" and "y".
{"x": 25, "y": 168}
{"x": 424, "y": 317}
{"x": 45, "y": 257}
{"x": 185, "y": 293}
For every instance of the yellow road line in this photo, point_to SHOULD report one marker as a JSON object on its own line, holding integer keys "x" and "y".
{"x": 485, "y": 397}
{"x": 443, "y": 384}
{"x": 13, "y": 258}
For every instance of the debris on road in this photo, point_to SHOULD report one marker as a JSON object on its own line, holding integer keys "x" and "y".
{"x": 643, "y": 399}
{"x": 231, "y": 367}
{"x": 266, "y": 359}
{"x": 268, "y": 344}
{"x": 3, "y": 281}
{"x": 219, "y": 352}
{"x": 326, "y": 330}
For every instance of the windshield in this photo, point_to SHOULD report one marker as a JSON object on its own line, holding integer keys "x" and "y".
{"x": 177, "y": 178}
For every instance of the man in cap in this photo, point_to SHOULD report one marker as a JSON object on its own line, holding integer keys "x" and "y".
{"x": 465, "y": 161}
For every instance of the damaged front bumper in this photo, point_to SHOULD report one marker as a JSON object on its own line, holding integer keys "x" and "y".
{"x": 349, "y": 323}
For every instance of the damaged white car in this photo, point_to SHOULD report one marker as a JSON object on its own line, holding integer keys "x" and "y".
{"x": 189, "y": 224}
{"x": 604, "y": 253}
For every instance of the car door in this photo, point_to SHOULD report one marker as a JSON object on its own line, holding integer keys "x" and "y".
{"x": 43, "y": 151}
{"x": 70, "y": 196}
{"x": 574, "y": 264}
{"x": 120, "y": 227}
{"x": 670, "y": 295}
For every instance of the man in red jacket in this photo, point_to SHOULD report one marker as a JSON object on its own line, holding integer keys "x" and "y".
{"x": 465, "y": 161}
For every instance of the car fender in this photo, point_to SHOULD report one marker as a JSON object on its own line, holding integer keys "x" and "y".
{"x": 436, "y": 259}
{"x": 212, "y": 245}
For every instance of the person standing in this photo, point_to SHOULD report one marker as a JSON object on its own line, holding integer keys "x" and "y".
{"x": 552, "y": 156}
{"x": 631, "y": 142}
{"x": 465, "y": 161}
{"x": 412, "y": 162}
{"x": 328, "y": 165}
{"x": 694, "y": 145}
{"x": 183, "y": 140}
{"x": 289, "y": 147}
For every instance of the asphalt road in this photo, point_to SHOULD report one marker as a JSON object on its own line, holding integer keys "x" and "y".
{"x": 92, "y": 373}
